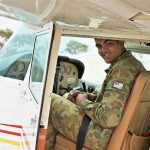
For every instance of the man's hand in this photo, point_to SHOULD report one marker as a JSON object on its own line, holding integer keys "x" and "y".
{"x": 72, "y": 96}
{"x": 77, "y": 97}
{"x": 80, "y": 97}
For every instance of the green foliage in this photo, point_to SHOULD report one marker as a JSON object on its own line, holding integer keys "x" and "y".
{"x": 75, "y": 47}
{"x": 6, "y": 33}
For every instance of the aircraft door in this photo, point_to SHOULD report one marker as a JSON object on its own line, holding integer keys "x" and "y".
{"x": 33, "y": 94}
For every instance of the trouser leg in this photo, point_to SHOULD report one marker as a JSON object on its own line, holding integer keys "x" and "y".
{"x": 50, "y": 137}
{"x": 66, "y": 118}
{"x": 97, "y": 137}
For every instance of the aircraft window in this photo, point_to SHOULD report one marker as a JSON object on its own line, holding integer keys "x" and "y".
{"x": 141, "y": 51}
{"x": 38, "y": 64}
{"x": 144, "y": 58}
{"x": 18, "y": 69}
{"x": 18, "y": 48}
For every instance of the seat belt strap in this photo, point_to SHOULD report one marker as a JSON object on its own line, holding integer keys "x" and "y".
{"x": 82, "y": 132}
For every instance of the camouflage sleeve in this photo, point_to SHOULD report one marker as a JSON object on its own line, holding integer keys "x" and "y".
{"x": 108, "y": 112}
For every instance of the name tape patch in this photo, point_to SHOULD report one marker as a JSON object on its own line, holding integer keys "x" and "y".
{"x": 118, "y": 85}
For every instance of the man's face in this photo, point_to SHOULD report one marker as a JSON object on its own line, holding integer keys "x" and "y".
{"x": 109, "y": 50}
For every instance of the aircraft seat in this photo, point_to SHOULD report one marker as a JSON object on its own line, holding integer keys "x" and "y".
{"x": 135, "y": 122}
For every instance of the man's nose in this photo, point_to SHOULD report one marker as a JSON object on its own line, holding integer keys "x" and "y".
{"x": 103, "y": 48}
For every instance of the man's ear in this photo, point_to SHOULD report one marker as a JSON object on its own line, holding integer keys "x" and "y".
{"x": 122, "y": 46}
{"x": 121, "y": 43}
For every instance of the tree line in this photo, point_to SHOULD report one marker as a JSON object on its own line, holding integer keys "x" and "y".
{"x": 5, "y": 35}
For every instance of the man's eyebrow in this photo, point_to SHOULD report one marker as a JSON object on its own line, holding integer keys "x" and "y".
{"x": 108, "y": 40}
{"x": 99, "y": 45}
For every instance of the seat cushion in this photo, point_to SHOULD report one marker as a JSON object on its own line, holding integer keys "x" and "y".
{"x": 62, "y": 143}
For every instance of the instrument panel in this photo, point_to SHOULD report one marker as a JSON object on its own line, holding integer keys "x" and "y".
{"x": 66, "y": 77}
{"x": 18, "y": 70}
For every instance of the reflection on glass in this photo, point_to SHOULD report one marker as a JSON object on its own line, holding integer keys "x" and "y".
{"x": 18, "y": 48}
{"x": 38, "y": 65}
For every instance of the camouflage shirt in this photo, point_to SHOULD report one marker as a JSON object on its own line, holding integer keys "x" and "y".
{"x": 107, "y": 109}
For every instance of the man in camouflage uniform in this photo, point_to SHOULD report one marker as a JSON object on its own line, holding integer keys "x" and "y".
{"x": 104, "y": 109}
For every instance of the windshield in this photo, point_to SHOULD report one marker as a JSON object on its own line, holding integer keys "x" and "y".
{"x": 18, "y": 48}
{"x": 19, "y": 42}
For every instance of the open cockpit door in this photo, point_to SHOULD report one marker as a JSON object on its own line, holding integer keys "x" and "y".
{"x": 35, "y": 90}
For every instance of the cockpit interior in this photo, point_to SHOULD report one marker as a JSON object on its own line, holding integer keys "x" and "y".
{"x": 68, "y": 74}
